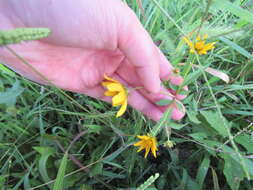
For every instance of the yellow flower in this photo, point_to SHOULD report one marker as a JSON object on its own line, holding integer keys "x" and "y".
{"x": 200, "y": 45}
{"x": 147, "y": 142}
{"x": 118, "y": 93}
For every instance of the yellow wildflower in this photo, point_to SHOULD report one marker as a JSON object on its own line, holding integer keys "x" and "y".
{"x": 200, "y": 45}
{"x": 147, "y": 142}
{"x": 118, "y": 93}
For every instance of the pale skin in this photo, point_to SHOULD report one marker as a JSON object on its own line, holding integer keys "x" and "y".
{"x": 90, "y": 38}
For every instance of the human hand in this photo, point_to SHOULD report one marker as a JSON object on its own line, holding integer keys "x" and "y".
{"x": 89, "y": 39}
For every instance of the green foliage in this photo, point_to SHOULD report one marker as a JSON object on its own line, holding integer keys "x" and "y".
{"x": 22, "y": 34}
{"x": 148, "y": 182}
{"x": 10, "y": 95}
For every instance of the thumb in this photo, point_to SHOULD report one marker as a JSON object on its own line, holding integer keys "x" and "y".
{"x": 136, "y": 44}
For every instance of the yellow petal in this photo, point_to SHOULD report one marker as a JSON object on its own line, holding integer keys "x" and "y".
{"x": 115, "y": 87}
{"x": 209, "y": 46}
{"x": 198, "y": 38}
{"x": 110, "y": 79}
{"x": 202, "y": 52}
{"x": 119, "y": 99}
{"x": 199, "y": 45}
{"x": 122, "y": 109}
{"x": 141, "y": 148}
{"x": 110, "y": 93}
{"x": 139, "y": 143}
{"x": 105, "y": 84}
{"x": 154, "y": 147}
{"x": 153, "y": 151}
{"x": 147, "y": 151}
{"x": 189, "y": 43}
{"x": 143, "y": 137}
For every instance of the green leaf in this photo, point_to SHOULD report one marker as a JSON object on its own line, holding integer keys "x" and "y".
{"x": 177, "y": 126}
{"x": 5, "y": 70}
{"x": 192, "y": 116}
{"x": 115, "y": 153}
{"x": 202, "y": 171}
{"x": 192, "y": 77}
{"x": 58, "y": 185}
{"x": 94, "y": 128}
{"x": 173, "y": 87}
{"x": 215, "y": 180}
{"x": 233, "y": 172}
{"x": 148, "y": 182}
{"x": 234, "y": 9}
{"x": 198, "y": 135}
{"x": 9, "y": 97}
{"x": 216, "y": 122}
{"x": 163, "y": 102}
{"x": 236, "y": 47}
{"x": 246, "y": 141}
{"x": 45, "y": 152}
{"x": 96, "y": 169}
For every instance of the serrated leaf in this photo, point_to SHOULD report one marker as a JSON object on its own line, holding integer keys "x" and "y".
{"x": 216, "y": 122}
{"x": 9, "y": 97}
{"x": 45, "y": 152}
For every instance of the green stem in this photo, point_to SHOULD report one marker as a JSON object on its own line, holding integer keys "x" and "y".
{"x": 164, "y": 120}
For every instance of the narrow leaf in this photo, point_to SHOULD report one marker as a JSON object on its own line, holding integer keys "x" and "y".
{"x": 58, "y": 185}
{"x": 202, "y": 171}
{"x": 163, "y": 102}
{"x": 217, "y": 73}
{"x": 215, "y": 180}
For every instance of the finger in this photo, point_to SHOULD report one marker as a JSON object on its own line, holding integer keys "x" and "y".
{"x": 165, "y": 66}
{"x": 177, "y": 112}
{"x": 127, "y": 72}
{"x": 137, "y": 46}
{"x": 140, "y": 103}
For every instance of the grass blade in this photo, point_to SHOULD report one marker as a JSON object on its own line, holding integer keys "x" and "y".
{"x": 58, "y": 185}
